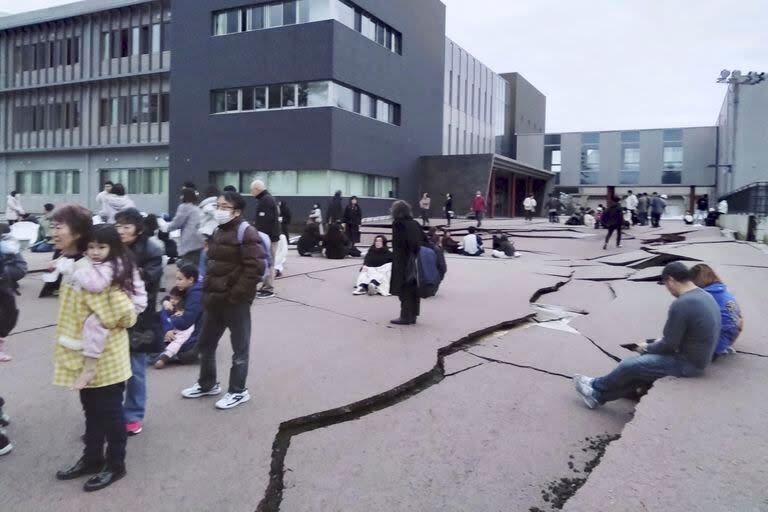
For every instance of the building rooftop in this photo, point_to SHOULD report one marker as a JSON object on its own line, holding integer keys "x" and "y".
{"x": 61, "y": 11}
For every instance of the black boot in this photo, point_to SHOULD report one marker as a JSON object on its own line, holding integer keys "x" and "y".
{"x": 80, "y": 468}
{"x": 104, "y": 479}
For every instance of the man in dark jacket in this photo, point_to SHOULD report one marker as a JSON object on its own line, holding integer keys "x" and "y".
{"x": 613, "y": 219}
{"x": 145, "y": 336}
{"x": 268, "y": 222}
{"x": 236, "y": 263}
{"x": 353, "y": 218}
{"x": 335, "y": 212}
{"x": 407, "y": 237}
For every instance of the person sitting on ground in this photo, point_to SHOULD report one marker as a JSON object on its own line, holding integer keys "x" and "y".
{"x": 690, "y": 337}
{"x": 599, "y": 217}
{"x": 376, "y": 272}
{"x": 433, "y": 242}
{"x": 503, "y": 247}
{"x": 182, "y": 320}
{"x": 310, "y": 241}
{"x": 448, "y": 244}
{"x": 336, "y": 243}
{"x": 731, "y": 320}
{"x": 589, "y": 218}
{"x": 688, "y": 218}
{"x": 711, "y": 220}
{"x": 472, "y": 245}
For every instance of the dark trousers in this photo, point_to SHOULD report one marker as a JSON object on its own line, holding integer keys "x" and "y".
{"x": 448, "y": 217}
{"x": 553, "y": 217}
{"x": 410, "y": 303}
{"x": 425, "y": 217}
{"x": 103, "y": 408}
{"x": 236, "y": 318}
{"x": 353, "y": 233}
{"x": 656, "y": 219}
{"x": 479, "y": 217}
{"x": 528, "y": 215}
{"x": 634, "y": 372}
{"x": 611, "y": 229}
{"x": 643, "y": 217}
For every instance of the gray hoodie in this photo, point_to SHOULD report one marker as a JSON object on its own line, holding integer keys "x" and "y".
{"x": 113, "y": 204}
{"x": 187, "y": 219}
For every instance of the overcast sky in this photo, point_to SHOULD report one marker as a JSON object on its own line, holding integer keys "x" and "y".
{"x": 607, "y": 64}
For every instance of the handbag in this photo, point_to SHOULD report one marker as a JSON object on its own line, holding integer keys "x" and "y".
{"x": 412, "y": 270}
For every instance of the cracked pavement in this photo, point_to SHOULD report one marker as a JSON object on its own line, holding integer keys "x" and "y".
{"x": 471, "y": 409}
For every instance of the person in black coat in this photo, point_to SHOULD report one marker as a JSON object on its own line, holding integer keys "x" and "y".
{"x": 448, "y": 208}
{"x": 336, "y": 243}
{"x": 310, "y": 240}
{"x": 335, "y": 209}
{"x": 353, "y": 217}
{"x": 285, "y": 219}
{"x": 613, "y": 219}
{"x": 407, "y": 237}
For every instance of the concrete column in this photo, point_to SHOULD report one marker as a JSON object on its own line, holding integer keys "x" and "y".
{"x": 513, "y": 202}
{"x": 493, "y": 195}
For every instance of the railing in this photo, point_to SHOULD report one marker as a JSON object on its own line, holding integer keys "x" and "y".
{"x": 751, "y": 199}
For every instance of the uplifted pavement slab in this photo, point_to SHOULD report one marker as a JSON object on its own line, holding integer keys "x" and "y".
{"x": 734, "y": 253}
{"x": 489, "y": 438}
{"x": 603, "y": 273}
{"x": 749, "y": 286}
{"x": 694, "y": 444}
{"x": 585, "y": 296}
{"x": 624, "y": 258}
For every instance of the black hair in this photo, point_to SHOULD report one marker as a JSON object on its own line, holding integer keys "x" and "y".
{"x": 676, "y": 271}
{"x": 188, "y": 196}
{"x": 107, "y": 234}
{"x": 190, "y": 185}
{"x": 79, "y": 220}
{"x": 353, "y": 197}
{"x": 132, "y": 216}
{"x": 235, "y": 199}
{"x": 48, "y": 207}
{"x": 108, "y": 182}
{"x": 229, "y": 188}
{"x": 472, "y": 230}
{"x": 401, "y": 210}
{"x": 150, "y": 224}
{"x": 176, "y": 292}
{"x": 13, "y": 193}
{"x": 384, "y": 242}
{"x": 118, "y": 189}
{"x": 212, "y": 191}
{"x": 189, "y": 271}
{"x": 338, "y": 193}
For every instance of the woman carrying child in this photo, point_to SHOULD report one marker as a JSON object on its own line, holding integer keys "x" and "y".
{"x": 100, "y": 379}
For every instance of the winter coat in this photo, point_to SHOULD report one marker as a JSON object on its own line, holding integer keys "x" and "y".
{"x": 702, "y": 204}
{"x": 353, "y": 215}
{"x": 208, "y": 223}
{"x": 529, "y": 204}
{"x": 335, "y": 210}
{"x": 308, "y": 243}
{"x": 267, "y": 216}
{"x": 13, "y": 208}
{"x": 553, "y": 204}
{"x": 285, "y": 215}
{"x": 658, "y": 205}
{"x": 730, "y": 316}
{"x": 148, "y": 256}
{"x": 425, "y": 203}
{"x": 377, "y": 257}
{"x": 448, "y": 207}
{"x": 478, "y": 204}
{"x": 632, "y": 202}
{"x": 336, "y": 246}
{"x": 234, "y": 268}
{"x": 193, "y": 313}
{"x": 642, "y": 204}
{"x": 188, "y": 219}
{"x": 613, "y": 217}
{"x": 407, "y": 237}
{"x": 114, "y": 204}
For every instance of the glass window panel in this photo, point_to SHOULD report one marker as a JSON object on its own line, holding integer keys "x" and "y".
{"x": 338, "y": 181}
{"x": 165, "y": 38}
{"x": 275, "y": 15}
{"x": 367, "y": 105}
{"x": 256, "y": 18}
{"x": 345, "y": 13}
{"x": 631, "y": 158}
{"x": 356, "y": 184}
{"x": 135, "y": 41}
{"x": 289, "y": 13}
{"x": 398, "y": 44}
{"x": 381, "y": 34}
{"x": 303, "y": 7}
{"x": 154, "y": 107}
{"x": 260, "y": 98}
{"x": 283, "y": 183}
{"x": 274, "y": 96}
{"x": 671, "y": 177}
{"x": 156, "y": 30}
{"x": 313, "y": 183}
{"x": 288, "y": 96}
{"x": 368, "y": 27}
{"x": 556, "y": 157}
{"x": 382, "y": 111}
{"x": 165, "y": 107}
{"x": 317, "y": 94}
{"x": 344, "y": 97}
{"x": 219, "y": 25}
{"x": 223, "y": 179}
{"x": 319, "y": 10}
{"x": 248, "y": 99}
{"x": 588, "y": 178}
{"x": 675, "y": 135}
{"x": 232, "y": 100}
{"x": 303, "y": 94}
{"x": 590, "y": 138}
{"x": 233, "y": 21}
{"x": 630, "y": 136}
{"x": 673, "y": 157}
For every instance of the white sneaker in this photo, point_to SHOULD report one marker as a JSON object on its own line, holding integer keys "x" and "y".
{"x": 196, "y": 391}
{"x": 231, "y": 400}
{"x": 359, "y": 291}
{"x": 584, "y": 388}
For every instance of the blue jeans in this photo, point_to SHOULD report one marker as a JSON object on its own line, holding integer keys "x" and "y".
{"x": 640, "y": 371}
{"x": 136, "y": 390}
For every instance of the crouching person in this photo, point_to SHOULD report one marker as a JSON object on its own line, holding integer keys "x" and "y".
{"x": 685, "y": 350}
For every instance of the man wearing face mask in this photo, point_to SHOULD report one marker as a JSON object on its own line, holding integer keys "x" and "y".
{"x": 236, "y": 264}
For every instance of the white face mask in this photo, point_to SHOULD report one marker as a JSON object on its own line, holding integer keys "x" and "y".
{"x": 223, "y": 216}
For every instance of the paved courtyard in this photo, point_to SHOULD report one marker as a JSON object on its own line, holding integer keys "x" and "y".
{"x": 470, "y": 410}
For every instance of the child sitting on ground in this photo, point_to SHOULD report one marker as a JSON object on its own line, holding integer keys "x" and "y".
{"x": 173, "y": 307}
{"x": 107, "y": 262}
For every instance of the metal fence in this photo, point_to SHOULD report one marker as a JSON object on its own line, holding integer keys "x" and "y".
{"x": 751, "y": 199}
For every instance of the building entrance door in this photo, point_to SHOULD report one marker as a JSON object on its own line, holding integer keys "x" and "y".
{"x": 501, "y": 207}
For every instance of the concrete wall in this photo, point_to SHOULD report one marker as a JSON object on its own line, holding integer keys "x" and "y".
{"x": 460, "y": 175}
{"x": 530, "y": 149}
{"x": 740, "y": 225}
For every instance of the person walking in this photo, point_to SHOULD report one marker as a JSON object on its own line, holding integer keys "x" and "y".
{"x": 613, "y": 219}
{"x": 529, "y": 205}
{"x": 335, "y": 209}
{"x": 267, "y": 222}
{"x": 353, "y": 218}
{"x": 424, "y": 204}
{"x": 236, "y": 264}
{"x": 102, "y": 394}
{"x": 285, "y": 218}
{"x": 14, "y": 212}
{"x": 554, "y": 209}
{"x": 101, "y": 197}
{"x": 702, "y": 209}
{"x": 448, "y": 208}
{"x": 407, "y": 237}
{"x": 631, "y": 203}
{"x": 642, "y": 209}
{"x": 690, "y": 336}
{"x": 145, "y": 336}
{"x": 657, "y": 207}
{"x": 188, "y": 219}
{"x": 478, "y": 206}
{"x": 316, "y": 217}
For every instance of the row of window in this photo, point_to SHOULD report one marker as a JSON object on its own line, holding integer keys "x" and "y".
{"x": 310, "y": 183}
{"x": 47, "y": 54}
{"x": 136, "y": 108}
{"x": 304, "y": 95}
{"x": 54, "y": 116}
{"x": 61, "y": 182}
{"x": 149, "y": 180}
{"x": 143, "y": 40}
{"x": 291, "y": 12}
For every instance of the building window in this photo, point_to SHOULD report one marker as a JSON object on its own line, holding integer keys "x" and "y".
{"x": 64, "y": 182}
{"x": 310, "y": 182}
{"x": 553, "y": 160}
{"x": 303, "y": 95}
{"x": 152, "y": 181}
{"x": 53, "y": 116}
{"x": 672, "y": 173}
{"x": 630, "y": 158}
{"x": 279, "y": 14}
